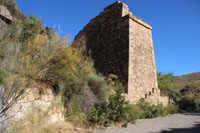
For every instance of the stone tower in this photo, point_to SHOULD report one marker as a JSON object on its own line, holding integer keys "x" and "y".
{"x": 121, "y": 44}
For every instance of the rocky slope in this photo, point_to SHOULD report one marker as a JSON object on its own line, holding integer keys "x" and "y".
{"x": 189, "y": 84}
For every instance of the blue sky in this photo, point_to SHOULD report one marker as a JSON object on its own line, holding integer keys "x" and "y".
{"x": 176, "y": 25}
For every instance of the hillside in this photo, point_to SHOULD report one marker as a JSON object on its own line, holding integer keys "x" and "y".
{"x": 192, "y": 78}
{"x": 189, "y": 83}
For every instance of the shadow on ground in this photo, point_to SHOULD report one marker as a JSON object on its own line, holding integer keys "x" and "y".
{"x": 197, "y": 112}
{"x": 194, "y": 129}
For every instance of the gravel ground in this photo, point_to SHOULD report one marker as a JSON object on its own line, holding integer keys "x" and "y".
{"x": 176, "y": 123}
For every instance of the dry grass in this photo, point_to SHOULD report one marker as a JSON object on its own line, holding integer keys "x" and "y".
{"x": 189, "y": 79}
{"x": 35, "y": 122}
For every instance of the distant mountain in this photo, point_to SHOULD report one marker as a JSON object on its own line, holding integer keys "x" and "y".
{"x": 189, "y": 83}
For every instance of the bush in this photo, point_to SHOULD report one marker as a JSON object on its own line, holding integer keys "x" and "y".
{"x": 185, "y": 99}
{"x": 115, "y": 110}
{"x": 87, "y": 101}
{"x": 76, "y": 79}
{"x": 134, "y": 113}
{"x": 69, "y": 73}
{"x": 30, "y": 29}
{"x": 188, "y": 103}
{"x": 23, "y": 62}
{"x": 118, "y": 110}
{"x": 151, "y": 111}
{"x": 2, "y": 2}
{"x": 74, "y": 114}
{"x": 171, "y": 109}
{"x": 166, "y": 84}
{"x": 98, "y": 85}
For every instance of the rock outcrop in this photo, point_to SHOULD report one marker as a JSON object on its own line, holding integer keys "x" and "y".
{"x": 5, "y": 18}
{"x": 5, "y": 15}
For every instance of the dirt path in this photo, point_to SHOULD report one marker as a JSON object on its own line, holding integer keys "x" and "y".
{"x": 176, "y": 123}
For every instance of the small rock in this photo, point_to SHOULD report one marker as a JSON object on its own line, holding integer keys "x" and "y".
{"x": 77, "y": 129}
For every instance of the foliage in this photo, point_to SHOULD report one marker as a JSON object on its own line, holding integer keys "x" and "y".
{"x": 75, "y": 77}
{"x": 187, "y": 97}
{"x": 36, "y": 54}
{"x": 172, "y": 109}
{"x": 2, "y": 72}
{"x": 69, "y": 72}
{"x": 166, "y": 80}
{"x": 166, "y": 83}
{"x": 111, "y": 111}
{"x": 23, "y": 62}
{"x": 3, "y": 2}
{"x": 189, "y": 103}
{"x": 118, "y": 110}
{"x": 74, "y": 114}
{"x": 30, "y": 29}
{"x": 2, "y": 75}
{"x": 98, "y": 85}
{"x": 151, "y": 111}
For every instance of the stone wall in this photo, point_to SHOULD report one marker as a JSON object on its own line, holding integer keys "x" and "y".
{"x": 142, "y": 70}
{"x": 121, "y": 44}
{"x": 47, "y": 102}
{"x": 106, "y": 37}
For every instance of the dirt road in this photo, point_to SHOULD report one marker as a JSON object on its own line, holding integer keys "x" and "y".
{"x": 176, "y": 123}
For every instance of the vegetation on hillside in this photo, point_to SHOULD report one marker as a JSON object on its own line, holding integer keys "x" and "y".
{"x": 192, "y": 79}
{"x": 166, "y": 84}
{"x": 31, "y": 52}
{"x": 183, "y": 90}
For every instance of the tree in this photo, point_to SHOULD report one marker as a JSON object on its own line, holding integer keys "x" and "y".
{"x": 166, "y": 83}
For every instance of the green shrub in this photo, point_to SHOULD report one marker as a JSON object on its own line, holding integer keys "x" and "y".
{"x": 160, "y": 110}
{"x": 2, "y": 75}
{"x": 74, "y": 114}
{"x": 166, "y": 84}
{"x": 2, "y": 71}
{"x": 134, "y": 113}
{"x": 23, "y": 62}
{"x": 185, "y": 99}
{"x": 98, "y": 85}
{"x": 2, "y": 2}
{"x": 188, "y": 103}
{"x": 75, "y": 77}
{"x": 118, "y": 110}
{"x": 30, "y": 29}
{"x": 151, "y": 111}
{"x": 171, "y": 109}
{"x": 115, "y": 110}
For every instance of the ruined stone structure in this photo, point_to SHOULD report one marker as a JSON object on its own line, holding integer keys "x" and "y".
{"x": 121, "y": 44}
{"x": 47, "y": 102}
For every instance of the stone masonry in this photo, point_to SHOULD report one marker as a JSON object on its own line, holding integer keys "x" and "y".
{"x": 47, "y": 102}
{"x": 121, "y": 44}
